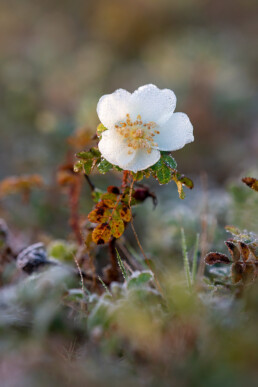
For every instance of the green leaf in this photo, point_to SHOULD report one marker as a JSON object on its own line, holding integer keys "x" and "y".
{"x": 87, "y": 166}
{"x": 95, "y": 152}
{"x": 157, "y": 166}
{"x": 104, "y": 166}
{"x": 84, "y": 155}
{"x": 78, "y": 166}
{"x": 164, "y": 174}
{"x": 169, "y": 161}
{"x": 187, "y": 182}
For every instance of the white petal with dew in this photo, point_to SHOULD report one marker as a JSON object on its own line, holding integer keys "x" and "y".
{"x": 113, "y": 107}
{"x": 114, "y": 148}
{"x": 153, "y": 104}
{"x": 143, "y": 160}
{"x": 150, "y": 102}
{"x": 175, "y": 134}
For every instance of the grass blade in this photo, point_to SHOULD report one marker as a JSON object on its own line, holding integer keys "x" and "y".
{"x": 186, "y": 260}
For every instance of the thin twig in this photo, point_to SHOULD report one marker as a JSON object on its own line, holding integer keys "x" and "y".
{"x": 92, "y": 186}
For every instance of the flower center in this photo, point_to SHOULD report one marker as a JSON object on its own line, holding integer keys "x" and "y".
{"x": 136, "y": 134}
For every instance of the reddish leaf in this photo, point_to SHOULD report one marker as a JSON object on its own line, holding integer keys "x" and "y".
{"x": 251, "y": 182}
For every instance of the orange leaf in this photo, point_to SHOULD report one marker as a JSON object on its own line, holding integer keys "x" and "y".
{"x": 117, "y": 227}
{"x": 101, "y": 234}
{"x": 99, "y": 215}
{"x": 125, "y": 213}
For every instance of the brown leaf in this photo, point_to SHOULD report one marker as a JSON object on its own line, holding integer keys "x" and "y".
{"x": 213, "y": 258}
{"x": 113, "y": 189}
{"x": 20, "y": 184}
{"x": 233, "y": 249}
{"x": 244, "y": 251}
{"x": 251, "y": 182}
{"x": 236, "y": 272}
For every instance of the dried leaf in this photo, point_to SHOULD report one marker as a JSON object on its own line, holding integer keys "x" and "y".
{"x": 20, "y": 184}
{"x": 234, "y": 251}
{"x": 213, "y": 258}
{"x": 113, "y": 189}
{"x": 236, "y": 272}
{"x": 245, "y": 252}
{"x": 251, "y": 182}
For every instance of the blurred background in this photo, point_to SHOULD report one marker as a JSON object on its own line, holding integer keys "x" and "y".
{"x": 58, "y": 57}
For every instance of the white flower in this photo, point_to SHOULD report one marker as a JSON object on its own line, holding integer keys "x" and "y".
{"x": 140, "y": 125}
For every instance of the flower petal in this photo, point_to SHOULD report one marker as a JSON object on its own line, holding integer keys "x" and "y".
{"x": 176, "y": 133}
{"x": 153, "y": 104}
{"x": 143, "y": 160}
{"x": 113, "y": 107}
{"x": 114, "y": 148}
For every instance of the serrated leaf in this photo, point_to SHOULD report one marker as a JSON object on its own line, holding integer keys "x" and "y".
{"x": 164, "y": 174}
{"x": 157, "y": 166}
{"x": 117, "y": 227}
{"x": 109, "y": 199}
{"x": 104, "y": 166}
{"x": 101, "y": 234}
{"x": 87, "y": 166}
{"x": 95, "y": 151}
{"x": 169, "y": 161}
{"x": 84, "y": 155}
